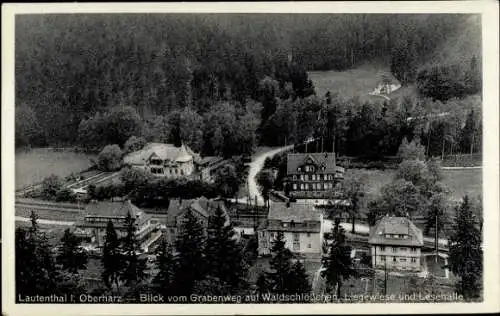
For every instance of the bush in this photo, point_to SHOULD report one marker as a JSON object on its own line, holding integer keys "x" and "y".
{"x": 134, "y": 144}
{"x": 65, "y": 195}
{"x": 51, "y": 185}
{"x": 110, "y": 158}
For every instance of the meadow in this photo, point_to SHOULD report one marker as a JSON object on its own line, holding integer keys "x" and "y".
{"x": 356, "y": 82}
{"x": 34, "y": 165}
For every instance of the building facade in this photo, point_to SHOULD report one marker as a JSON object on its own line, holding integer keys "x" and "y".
{"x": 312, "y": 175}
{"x": 164, "y": 160}
{"x": 92, "y": 227}
{"x": 396, "y": 243}
{"x": 300, "y": 224}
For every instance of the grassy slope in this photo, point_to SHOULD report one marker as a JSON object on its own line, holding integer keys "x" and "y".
{"x": 33, "y": 166}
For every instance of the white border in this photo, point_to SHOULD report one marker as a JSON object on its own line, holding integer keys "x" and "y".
{"x": 489, "y": 11}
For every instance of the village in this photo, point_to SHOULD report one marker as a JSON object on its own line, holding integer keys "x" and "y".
{"x": 193, "y": 156}
{"x": 305, "y": 217}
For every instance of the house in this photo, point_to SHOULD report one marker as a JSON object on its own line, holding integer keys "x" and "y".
{"x": 301, "y": 225}
{"x": 201, "y": 208}
{"x": 207, "y": 166}
{"x": 396, "y": 243}
{"x": 312, "y": 175}
{"x": 164, "y": 160}
{"x": 92, "y": 227}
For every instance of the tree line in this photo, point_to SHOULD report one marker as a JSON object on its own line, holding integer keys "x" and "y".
{"x": 69, "y": 68}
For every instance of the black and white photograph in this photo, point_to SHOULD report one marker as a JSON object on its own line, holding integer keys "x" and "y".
{"x": 249, "y": 158}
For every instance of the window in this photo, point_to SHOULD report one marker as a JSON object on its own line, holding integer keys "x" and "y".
{"x": 413, "y": 260}
{"x": 309, "y": 245}
{"x": 306, "y": 177}
{"x": 295, "y": 237}
{"x": 403, "y": 249}
{"x": 413, "y": 249}
{"x": 302, "y": 186}
{"x": 298, "y": 169}
{"x": 382, "y": 248}
{"x": 182, "y": 172}
{"x": 302, "y": 177}
{"x": 394, "y": 249}
{"x": 314, "y": 177}
{"x": 393, "y": 259}
{"x": 402, "y": 259}
{"x": 285, "y": 224}
{"x": 382, "y": 258}
{"x": 295, "y": 186}
{"x": 294, "y": 177}
{"x": 308, "y": 235}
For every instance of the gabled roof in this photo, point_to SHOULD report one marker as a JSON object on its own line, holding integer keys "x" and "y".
{"x": 297, "y": 212}
{"x": 322, "y": 160}
{"x": 396, "y": 226}
{"x": 162, "y": 151}
{"x": 202, "y": 206}
{"x": 112, "y": 209}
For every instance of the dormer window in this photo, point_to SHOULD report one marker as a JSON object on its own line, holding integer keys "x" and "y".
{"x": 298, "y": 169}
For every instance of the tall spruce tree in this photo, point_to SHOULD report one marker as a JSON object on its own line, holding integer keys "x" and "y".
{"x": 36, "y": 272}
{"x": 338, "y": 263}
{"x": 162, "y": 282}
{"x": 222, "y": 244}
{"x": 72, "y": 257}
{"x": 134, "y": 267}
{"x": 285, "y": 277}
{"x": 466, "y": 253}
{"x": 189, "y": 257}
{"x": 112, "y": 258}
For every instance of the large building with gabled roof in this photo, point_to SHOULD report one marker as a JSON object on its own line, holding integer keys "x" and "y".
{"x": 92, "y": 226}
{"x": 164, "y": 160}
{"x": 312, "y": 175}
{"x": 300, "y": 224}
{"x": 396, "y": 243}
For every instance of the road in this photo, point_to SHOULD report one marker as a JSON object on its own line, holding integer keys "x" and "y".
{"x": 45, "y": 221}
{"x": 254, "y": 167}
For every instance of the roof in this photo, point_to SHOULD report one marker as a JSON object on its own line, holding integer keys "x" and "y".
{"x": 202, "y": 206}
{"x": 112, "y": 209}
{"x": 398, "y": 226}
{"x": 298, "y": 212}
{"x": 325, "y": 161}
{"x": 209, "y": 160}
{"x": 162, "y": 151}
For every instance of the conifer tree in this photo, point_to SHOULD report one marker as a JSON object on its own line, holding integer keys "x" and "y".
{"x": 162, "y": 282}
{"x": 338, "y": 264}
{"x": 222, "y": 244}
{"x": 298, "y": 279}
{"x": 189, "y": 258}
{"x": 71, "y": 256}
{"x": 466, "y": 253}
{"x": 35, "y": 267}
{"x": 285, "y": 277}
{"x": 133, "y": 271}
{"x": 112, "y": 257}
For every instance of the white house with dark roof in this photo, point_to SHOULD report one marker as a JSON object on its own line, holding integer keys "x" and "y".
{"x": 92, "y": 227}
{"x": 301, "y": 225}
{"x": 396, "y": 242}
{"x": 164, "y": 160}
{"x": 312, "y": 175}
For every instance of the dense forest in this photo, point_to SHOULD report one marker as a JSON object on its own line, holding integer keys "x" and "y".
{"x": 221, "y": 83}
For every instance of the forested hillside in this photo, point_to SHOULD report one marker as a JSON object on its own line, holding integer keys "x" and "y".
{"x": 221, "y": 83}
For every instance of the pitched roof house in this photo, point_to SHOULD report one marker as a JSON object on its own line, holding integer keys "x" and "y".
{"x": 312, "y": 175}
{"x": 396, "y": 243}
{"x": 301, "y": 225}
{"x": 164, "y": 160}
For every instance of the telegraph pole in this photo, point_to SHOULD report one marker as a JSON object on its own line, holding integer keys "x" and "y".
{"x": 436, "y": 237}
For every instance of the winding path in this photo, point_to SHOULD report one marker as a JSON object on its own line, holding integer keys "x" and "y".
{"x": 255, "y": 166}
